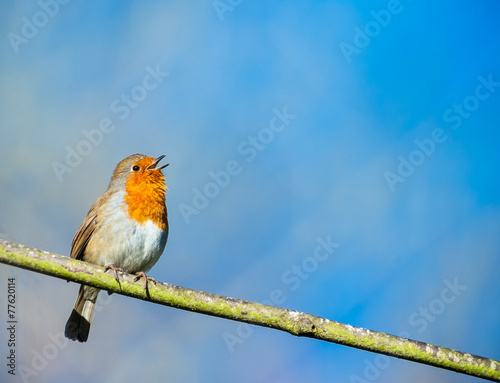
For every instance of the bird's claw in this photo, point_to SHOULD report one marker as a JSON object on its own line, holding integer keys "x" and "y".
{"x": 142, "y": 274}
{"x": 115, "y": 269}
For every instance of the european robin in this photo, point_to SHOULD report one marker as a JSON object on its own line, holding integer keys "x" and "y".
{"x": 126, "y": 229}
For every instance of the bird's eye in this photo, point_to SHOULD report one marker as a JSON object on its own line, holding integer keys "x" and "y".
{"x": 136, "y": 168}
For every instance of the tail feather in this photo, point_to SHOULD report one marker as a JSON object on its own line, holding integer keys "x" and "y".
{"x": 78, "y": 325}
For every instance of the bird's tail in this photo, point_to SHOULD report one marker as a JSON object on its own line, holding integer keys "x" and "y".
{"x": 78, "y": 325}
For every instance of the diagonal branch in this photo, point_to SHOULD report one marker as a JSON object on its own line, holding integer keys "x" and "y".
{"x": 293, "y": 322}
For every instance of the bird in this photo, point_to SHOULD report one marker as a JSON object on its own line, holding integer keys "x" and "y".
{"x": 126, "y": 229}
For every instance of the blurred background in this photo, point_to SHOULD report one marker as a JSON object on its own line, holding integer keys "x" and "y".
{"x": 374, "y": 127}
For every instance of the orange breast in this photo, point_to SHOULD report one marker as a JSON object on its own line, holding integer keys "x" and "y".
{"x": 145, "y": 198}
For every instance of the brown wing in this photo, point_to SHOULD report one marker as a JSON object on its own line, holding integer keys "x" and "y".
{"x": 83, "y": 235}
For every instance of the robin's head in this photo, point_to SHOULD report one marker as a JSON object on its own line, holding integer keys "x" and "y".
{"x": 139, "y": 171}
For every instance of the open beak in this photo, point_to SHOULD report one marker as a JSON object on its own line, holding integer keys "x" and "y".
{"x": 153, "y": 165}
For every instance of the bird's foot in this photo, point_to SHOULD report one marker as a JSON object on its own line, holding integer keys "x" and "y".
{"x": 142, "y": 274}
{"x": 115, "y": 269}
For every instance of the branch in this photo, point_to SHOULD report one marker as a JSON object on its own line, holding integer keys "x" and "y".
{"x": 293, "y": 322}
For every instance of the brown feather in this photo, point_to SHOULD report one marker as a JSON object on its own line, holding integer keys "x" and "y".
{"x": 78, "y": 325}
{"x": 84, "y": 233}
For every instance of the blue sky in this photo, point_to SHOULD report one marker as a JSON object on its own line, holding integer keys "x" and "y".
{"x": 375, "y": 126}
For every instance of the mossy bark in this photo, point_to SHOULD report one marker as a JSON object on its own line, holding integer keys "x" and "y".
{"x": 293, "y": 322}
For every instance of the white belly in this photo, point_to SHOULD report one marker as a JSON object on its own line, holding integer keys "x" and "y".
{"x": 128, "y": 245}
